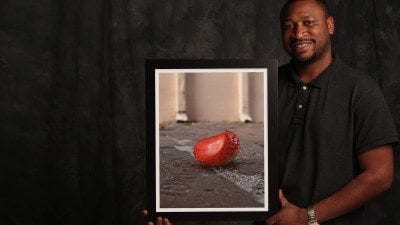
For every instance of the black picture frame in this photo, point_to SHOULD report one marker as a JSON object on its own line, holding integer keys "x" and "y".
{"x": 152, "y": 173}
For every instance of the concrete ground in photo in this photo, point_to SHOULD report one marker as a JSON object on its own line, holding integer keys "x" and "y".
{"x": 186, "y": 184}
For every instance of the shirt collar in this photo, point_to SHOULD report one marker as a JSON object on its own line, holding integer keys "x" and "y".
{"x": 321, "y": 81}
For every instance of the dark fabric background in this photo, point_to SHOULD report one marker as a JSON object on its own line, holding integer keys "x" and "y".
{"x": 72, "y": 121}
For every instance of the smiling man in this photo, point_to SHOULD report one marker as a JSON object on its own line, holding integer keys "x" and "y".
{"x": 335, "y": 131}
{"x": 306, "y": 31}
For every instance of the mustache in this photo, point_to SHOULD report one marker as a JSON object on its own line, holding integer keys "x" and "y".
{"x": 302, "y": 40}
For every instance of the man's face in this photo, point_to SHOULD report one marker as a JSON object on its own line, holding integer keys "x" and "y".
{"x": 306, "y": 31}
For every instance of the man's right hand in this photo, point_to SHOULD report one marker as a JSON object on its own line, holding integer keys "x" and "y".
{"x": 159, "y": 220}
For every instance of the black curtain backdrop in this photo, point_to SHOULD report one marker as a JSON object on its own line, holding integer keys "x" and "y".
{"x": 72, "y": 110}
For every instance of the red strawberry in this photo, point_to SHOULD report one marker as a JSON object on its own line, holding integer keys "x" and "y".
{"x": 217, "y": 150}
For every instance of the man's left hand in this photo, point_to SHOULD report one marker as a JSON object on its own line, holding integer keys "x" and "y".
{"x": 289, "y": 214}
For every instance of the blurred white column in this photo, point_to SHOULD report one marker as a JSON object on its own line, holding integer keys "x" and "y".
{"x": 167, "y": 97}
{"x": 181, "y": 115}
{"x": 256, "y": 96}
{"x": 243, "y": 88}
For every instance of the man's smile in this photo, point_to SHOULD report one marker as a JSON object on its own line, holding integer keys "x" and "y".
{"x": 301, "y": 45}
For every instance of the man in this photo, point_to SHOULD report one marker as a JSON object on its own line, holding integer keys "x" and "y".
{"x": 335, "y": 131}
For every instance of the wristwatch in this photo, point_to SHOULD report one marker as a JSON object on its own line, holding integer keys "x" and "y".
{"x": 312, "y": 220}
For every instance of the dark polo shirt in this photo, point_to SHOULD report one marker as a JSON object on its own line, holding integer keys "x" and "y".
{"x": 323, "y": 126}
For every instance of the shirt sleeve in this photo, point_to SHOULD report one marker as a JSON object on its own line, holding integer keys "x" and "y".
{"x": 373, "y": 122}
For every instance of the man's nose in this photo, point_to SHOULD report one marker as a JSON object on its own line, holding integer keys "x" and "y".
{"x": 299, "y": 32}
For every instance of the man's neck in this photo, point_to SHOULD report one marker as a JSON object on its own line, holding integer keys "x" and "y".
{"x": 309, "y": 72}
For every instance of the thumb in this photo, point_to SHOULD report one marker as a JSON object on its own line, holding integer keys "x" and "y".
{"x": 282, "y": 198}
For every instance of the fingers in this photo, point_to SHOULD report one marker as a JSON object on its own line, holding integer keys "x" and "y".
{"x": 282, "y": 198}
{"x": 159, "y": 221}
{"x": 162, "y": 221}
{"x": 166, "y": 222}
{"x": 144, "y": 214}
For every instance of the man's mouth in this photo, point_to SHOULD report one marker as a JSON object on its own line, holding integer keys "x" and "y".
{"x": 300, "y": 46}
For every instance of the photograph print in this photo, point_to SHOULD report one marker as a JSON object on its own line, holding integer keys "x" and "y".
{"x": 211, "y": 140}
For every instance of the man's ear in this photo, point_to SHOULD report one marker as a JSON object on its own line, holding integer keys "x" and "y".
{"x": 330, "y": 22}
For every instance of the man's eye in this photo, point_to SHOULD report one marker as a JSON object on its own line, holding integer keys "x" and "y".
{"x": 309, "y": 23}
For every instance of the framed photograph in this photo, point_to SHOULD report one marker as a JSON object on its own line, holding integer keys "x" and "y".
{"x": 211, "y": 139}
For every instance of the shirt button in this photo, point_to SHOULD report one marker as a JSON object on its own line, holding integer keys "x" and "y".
{"x": 300, "y": 106}
{"x": 304, "y": 87}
